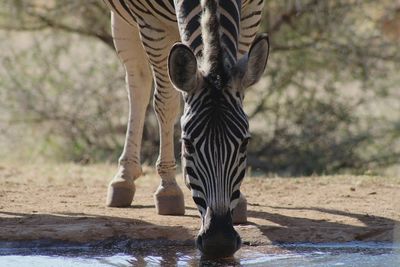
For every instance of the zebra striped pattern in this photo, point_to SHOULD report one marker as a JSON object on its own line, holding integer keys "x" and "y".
{"x": 214, "y": 125}
{"x": 215, "y": 137}
{"x": 239, "y": 20}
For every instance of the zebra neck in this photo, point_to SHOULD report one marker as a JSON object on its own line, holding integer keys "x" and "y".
{"x": 189, "y": 13}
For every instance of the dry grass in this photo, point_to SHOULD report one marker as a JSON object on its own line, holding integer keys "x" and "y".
{"x": 67, "y": 173}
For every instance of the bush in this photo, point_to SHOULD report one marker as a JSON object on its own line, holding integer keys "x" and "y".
{"x": 328, "y": 102}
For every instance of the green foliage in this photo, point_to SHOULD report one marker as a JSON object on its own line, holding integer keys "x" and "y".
{"x": 67, "y": 91}
{"x": 327, "y": 67}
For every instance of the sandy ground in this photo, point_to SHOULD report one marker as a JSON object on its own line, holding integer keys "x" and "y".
{"x": 66, "y": 202}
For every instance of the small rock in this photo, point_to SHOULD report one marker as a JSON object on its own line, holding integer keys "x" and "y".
{"x": 352, "y": 189}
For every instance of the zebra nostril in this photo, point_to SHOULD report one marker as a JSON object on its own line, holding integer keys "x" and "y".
{"x": 199, "y": 242}
{"x": 238, "y": 242}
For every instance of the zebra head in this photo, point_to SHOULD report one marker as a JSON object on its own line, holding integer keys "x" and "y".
{"x": 215, "y": 128}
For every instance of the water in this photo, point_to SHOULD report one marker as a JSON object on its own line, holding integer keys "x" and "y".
{"x": 159, "y": 253}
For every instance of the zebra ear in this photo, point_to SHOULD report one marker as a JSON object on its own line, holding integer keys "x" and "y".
{"x": 182, "y": 68}
{"x": 253, "y": 65}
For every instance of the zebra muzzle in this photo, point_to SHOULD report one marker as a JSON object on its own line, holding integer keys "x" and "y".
{"x": 218, "y": 238}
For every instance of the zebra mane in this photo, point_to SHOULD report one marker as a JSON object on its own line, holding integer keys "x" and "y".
{"x": 212, "y": 60}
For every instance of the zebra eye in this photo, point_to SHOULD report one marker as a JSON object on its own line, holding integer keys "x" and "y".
{"x": 189, "y": 148}
{"x": 243, "y": 147}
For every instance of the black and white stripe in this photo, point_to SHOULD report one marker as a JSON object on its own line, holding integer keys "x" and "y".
{"x": 239, "y": 20}
{"x": 215, "y": 136}
{"x": 214, "y": 125}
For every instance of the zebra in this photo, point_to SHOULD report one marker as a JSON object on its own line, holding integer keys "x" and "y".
{"x": 208, "y": 52}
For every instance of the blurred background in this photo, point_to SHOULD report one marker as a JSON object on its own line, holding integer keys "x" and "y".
{"x": 329, "y": 102}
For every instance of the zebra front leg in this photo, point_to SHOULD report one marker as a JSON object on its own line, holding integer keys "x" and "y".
{"x": 168, "y": 197}
{"x": 158, "y": 40}
{"x": 138, "y": 78}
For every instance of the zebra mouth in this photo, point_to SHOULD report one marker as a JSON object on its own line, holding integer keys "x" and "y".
{"x": 218, "y": 248}
{"x": 218, "y": 238}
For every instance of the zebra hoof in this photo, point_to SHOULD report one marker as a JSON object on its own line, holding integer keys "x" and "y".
{"x": 240, "y": 212}
{"x": 169, "y": 200}
{"x": 120, "y": 193}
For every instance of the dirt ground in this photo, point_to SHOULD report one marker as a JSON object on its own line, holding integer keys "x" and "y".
{"x": 66, "y": 202}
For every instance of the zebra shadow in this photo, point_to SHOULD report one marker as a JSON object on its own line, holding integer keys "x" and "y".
{"x": 335, "y": 225}
{"x": 72, "y": 226}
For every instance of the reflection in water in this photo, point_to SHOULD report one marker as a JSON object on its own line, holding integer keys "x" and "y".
{"x": 163, "y": 254}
